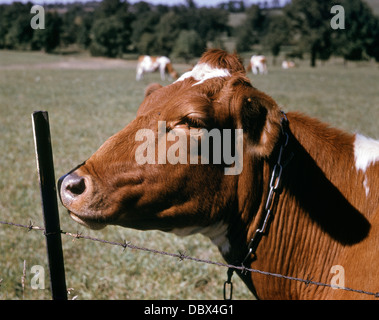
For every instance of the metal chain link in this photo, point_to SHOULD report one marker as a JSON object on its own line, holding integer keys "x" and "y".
{"x": 275, "y": 189}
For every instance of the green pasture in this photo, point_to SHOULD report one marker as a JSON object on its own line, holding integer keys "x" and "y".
{"x": 85, "y": 107}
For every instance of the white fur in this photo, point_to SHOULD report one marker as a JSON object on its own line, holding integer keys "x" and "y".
{"x": 217, "y": 233}
{"x": 366, "y": 186}
{"x": 366, "y": 152}
{"x": 202, "y": 72}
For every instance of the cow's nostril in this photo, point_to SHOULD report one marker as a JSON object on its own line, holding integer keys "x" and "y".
{"x": 70, "y": 187}
{"x": 76, "y": 186}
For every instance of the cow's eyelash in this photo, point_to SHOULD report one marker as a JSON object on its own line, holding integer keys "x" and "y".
{"x": 193, "y": 123}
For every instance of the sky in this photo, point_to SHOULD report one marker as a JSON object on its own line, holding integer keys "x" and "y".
{"x": 167, "y": 2}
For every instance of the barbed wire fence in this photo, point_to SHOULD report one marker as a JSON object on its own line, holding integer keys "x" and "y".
{"x": 182, "y": 256}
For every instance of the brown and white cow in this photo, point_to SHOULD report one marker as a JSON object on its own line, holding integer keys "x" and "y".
{"x": 286, "y": 64}
{"x": 258, "y": 64}
{"x": 325, "y": 222}
{"x": 152, "y": 64}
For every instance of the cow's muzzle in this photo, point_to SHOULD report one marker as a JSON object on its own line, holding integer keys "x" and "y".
{"x": 74, "y": 191}
{"x": 71, "y": 187}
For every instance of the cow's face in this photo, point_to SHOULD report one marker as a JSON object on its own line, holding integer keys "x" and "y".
{"x": 155, "y": 173}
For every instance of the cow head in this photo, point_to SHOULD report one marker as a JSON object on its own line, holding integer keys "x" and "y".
{"x": 145, "y": 176}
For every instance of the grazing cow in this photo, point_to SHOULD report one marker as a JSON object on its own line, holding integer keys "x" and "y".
{"x": 322, "y": 225}
{"x": 258, "y": 65}
{"x": 152, "y": 64}
{"x": 288, "y": 64}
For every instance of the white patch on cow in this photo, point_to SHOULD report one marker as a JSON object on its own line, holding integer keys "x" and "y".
{"x": 202, "y": 72}
{"x": 163, "y": 60}
{"x": 365, "y": 185}
{"x": 216, "y": 232}
{"x": 366, "y": 152}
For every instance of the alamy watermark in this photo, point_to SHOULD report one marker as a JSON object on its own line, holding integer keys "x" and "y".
{"x": 38, "y": 280}
{"x": 338, "y": 21}
{"x": 227, "y": 147}
{"x": 38, "y": 21}
{"x": 338, "y": 280}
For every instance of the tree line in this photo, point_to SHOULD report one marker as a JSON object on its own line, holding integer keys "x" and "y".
{"x": 305, "y": 25}
{"x": 114, "y": 27}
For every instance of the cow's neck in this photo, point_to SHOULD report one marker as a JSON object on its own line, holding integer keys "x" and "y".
{"x": 315, "y": 217}
{"x": 334, "y": 153}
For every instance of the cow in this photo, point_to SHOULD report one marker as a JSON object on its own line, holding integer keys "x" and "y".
{"x": 308, "y": 190}
{"x": 288, "y": 64}
{"x": 258, "y": 64}
{"x": 152, "y": 64}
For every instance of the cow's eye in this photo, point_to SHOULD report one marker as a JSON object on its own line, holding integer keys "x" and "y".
{"x": 193, "y": 122}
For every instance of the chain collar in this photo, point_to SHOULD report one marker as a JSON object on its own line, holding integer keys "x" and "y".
{"x": 274, "y": 191}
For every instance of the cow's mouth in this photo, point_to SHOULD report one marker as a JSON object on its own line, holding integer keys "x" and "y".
{"x": 94, "y": 225}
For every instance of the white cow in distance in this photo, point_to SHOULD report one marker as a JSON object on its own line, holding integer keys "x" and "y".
{"x": 152, "y": 64}
{"x": 258, "y": 64}
{"x": 288, "y": 64}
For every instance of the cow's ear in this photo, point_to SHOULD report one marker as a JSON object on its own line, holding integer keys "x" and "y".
{"x": 260, "y": 119}
{"x": 151, "y": 88}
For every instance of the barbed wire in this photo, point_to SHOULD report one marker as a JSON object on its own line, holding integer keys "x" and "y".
{"x": 181, "y": 256}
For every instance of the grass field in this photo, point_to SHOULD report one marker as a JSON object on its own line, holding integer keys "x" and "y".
{"x": 90, "y": 99}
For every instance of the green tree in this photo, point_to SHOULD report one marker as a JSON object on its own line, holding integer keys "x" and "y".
{"x": 310, "y": 24}
{"x": 106, "y": 37}
{"x": 188, "y": 45}
{"x": 211, "y": 23}
{"x": 15, "y": 31}
{"x": 112, "y": 29}
{"x": 373, "y": 46}
{"x": 53, "y": 25}
{"x": 3, "y": 25}
{"x": 48, "y": 39}
{"x": 251, "y": 30}
{"x": 109, "y": 8}
{"x": 83, "y": 36}
{"x": 76, "y": 25}
{"x": 146, "y": 44}
{"x": 278, "y": 34}
{"x": 20, "y": 33}
{"x": 143, "y": 29}
{"x": 166, "y": 32}
{"x": 359, "y": 39}
{"x": 157, "y": 28}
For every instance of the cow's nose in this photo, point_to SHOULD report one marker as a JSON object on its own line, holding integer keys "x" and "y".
{"x": 70, "y": 187}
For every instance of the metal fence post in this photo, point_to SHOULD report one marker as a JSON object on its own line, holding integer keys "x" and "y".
{"x": 45, "y": 167}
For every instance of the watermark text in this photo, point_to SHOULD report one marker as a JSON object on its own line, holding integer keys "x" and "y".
{"x": 338, "y": 21}
{"x": 215, "y": 146}
{"x": 38, "y": 21}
